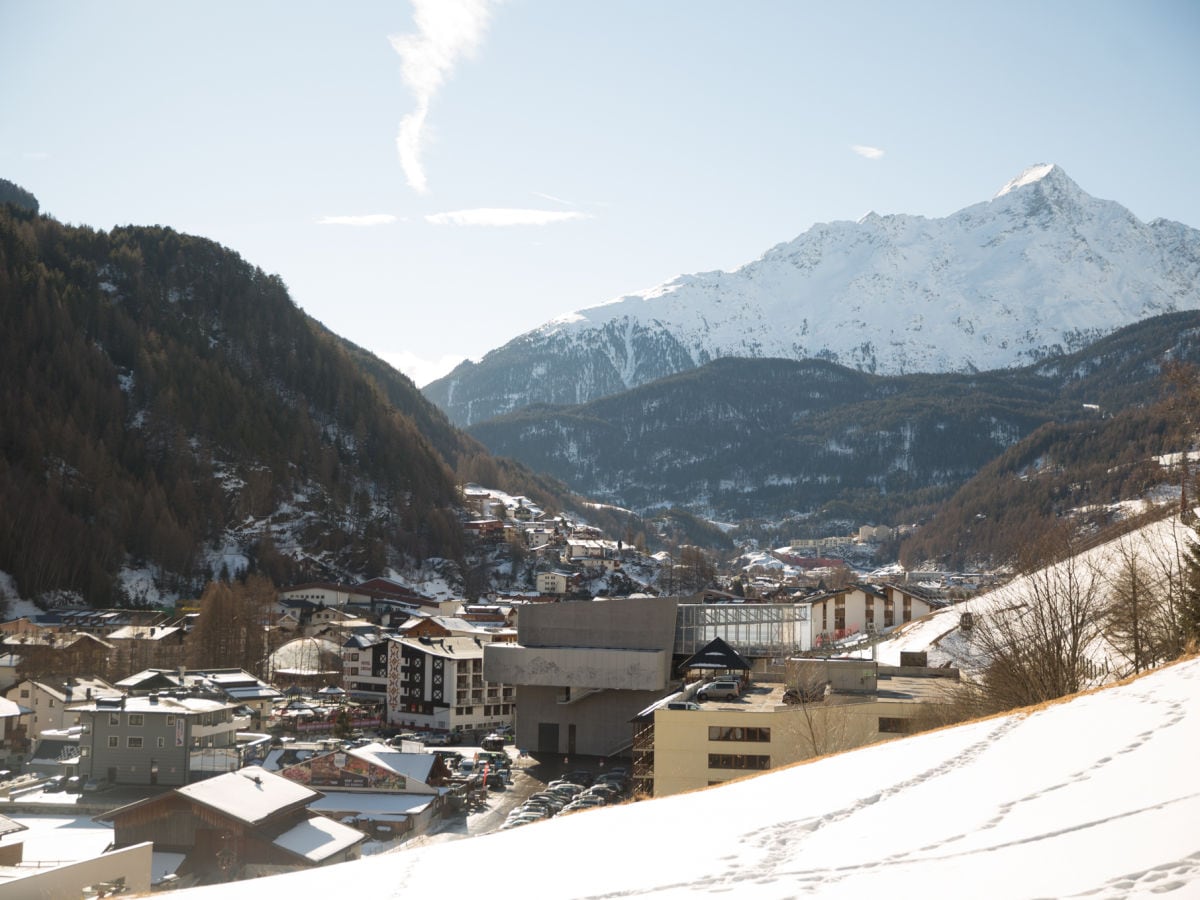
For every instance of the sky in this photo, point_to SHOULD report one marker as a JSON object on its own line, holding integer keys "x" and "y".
{"x": 432, "y": 179}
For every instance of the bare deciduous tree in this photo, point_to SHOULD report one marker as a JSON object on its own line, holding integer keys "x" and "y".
{"x": 1042, "y": 647}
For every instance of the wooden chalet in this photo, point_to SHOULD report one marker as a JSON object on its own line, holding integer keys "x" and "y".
{"x": 241, "y": 824}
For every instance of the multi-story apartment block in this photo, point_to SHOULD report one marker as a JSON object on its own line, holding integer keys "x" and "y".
{"x": 158, "y": 739}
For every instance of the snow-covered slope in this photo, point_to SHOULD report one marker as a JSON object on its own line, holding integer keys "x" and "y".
{"x": 1042, "y": 267}
{"x": 1098, "y": 796}
{"x": 1158, "y": 552}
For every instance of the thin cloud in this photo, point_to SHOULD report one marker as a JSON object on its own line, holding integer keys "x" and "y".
{"x": 554, "y": 199}
{"x": 446, "y": 31}
{"x": 497, "y": 217}
{"x": 868, "y": 152}
{"x": 361, "y": 221}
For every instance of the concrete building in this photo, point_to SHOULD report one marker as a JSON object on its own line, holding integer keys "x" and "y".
{"x": 583, "y": 670}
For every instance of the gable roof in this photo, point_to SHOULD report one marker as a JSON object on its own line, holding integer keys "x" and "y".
{"x": 317, "y": 838}
{"x": 717, "y": 654}
{"x": 10, "y": 826}
{"x": 249, "y": 795}
{"x": 416, "y": 766}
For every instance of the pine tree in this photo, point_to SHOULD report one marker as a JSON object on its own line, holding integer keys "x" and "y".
{"x": 1189, "y": 607}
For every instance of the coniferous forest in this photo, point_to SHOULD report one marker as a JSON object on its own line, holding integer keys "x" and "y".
{"x": 156, "y": 391}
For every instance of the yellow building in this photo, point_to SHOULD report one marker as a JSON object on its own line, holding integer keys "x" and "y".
{"x": 683, "y": 745}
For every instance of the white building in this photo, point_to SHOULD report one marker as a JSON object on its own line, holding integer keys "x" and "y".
{"x": 437, "y": 684}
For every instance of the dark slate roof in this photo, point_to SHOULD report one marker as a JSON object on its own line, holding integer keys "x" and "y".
{"x": 717, "y": 654}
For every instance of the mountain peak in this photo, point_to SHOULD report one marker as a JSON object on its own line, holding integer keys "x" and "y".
{"x": 1043, "y": 268}
{"x": 1030, "y": 176}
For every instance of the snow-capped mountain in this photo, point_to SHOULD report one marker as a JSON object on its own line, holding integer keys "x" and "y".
{"x": 1039, "y": 269}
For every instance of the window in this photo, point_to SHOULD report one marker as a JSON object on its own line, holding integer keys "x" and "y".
{"x": 723, "y": 733}
{"x": 114, "y": 719}
{"x": 170, "y": 721}
{"x": 113, "y": 741}
{"x": 894, "y": 726}
{"x": 137, "y": 719}
{"x": 24, "y": 693}
{"x": 738, "y": 761}
{"x": 52, "y": 703}
{"x": 161, "y": 743}
{"x": 133, "y": 743}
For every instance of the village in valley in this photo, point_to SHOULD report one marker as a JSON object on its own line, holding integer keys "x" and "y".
{"x": 352, "y": 719}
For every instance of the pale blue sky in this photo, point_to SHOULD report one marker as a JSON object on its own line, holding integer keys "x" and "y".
{"x": 654, "y": 137}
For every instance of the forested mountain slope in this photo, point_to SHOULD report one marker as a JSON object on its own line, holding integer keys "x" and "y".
{"x": 742, "y": 439}
{"x": 161, "y": 397}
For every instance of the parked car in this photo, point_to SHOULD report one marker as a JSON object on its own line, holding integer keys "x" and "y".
{"x": 96, "y": 785}
{"x": 720, "y": 690}
{"x": 682, "y": 704}
{"x": 74, "y": 785}
{"x": 55, "y": 784}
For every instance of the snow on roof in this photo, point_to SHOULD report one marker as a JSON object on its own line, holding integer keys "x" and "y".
{"x": 303, "y": 655}
{"x": 163, "y": 703}
{"x": 9, "y": 826}
{"x": 144, "y": 632}
{"x": 448, "y": 647}
{"x": 251, "y": 794}
{"x": 416, "y": 766}
{"x": 366, "y": 803}
{"x": 319, "y": 838}
{"x": 9, "y": 709}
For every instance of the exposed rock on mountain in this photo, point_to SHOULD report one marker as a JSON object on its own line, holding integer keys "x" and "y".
{"x": 1041, "y": 268}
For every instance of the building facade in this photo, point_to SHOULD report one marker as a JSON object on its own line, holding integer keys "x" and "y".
{"x": 158, "y": 739}
{"x": 438, "y": 684}
{"x": 583, "y": 670}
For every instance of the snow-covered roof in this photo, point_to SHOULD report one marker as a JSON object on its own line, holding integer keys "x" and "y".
{"x": 368, "y": 803}
{"x": 416, "y": 766}
{"x": 9, "y": 826}
{"x": 162, "y": 703}
{"x": 318, "y": 838}
{"x": 448, "y": 647}
{"x": 9, "y": 709}
{"x": 144, "y": 632}
{"x": 250, "y": 795}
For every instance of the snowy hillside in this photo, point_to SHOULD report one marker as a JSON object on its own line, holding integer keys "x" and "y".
{"x": 1040, "y": 268}
{"x": 1097, "y": 796}
{"x": 1157, "y": 550}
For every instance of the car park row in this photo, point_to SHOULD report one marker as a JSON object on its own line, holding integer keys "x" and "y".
{"x": 575, "y": 791}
